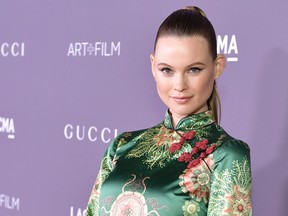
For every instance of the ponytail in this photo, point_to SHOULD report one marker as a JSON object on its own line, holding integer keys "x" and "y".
{"x": 214, "y": 104}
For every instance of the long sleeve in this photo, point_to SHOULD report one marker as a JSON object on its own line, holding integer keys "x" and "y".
{"x": 230, "y": 192}
{"x": 107, "y": 165}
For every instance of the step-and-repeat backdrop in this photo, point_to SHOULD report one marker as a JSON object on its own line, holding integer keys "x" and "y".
{"x": 74, "y": 74}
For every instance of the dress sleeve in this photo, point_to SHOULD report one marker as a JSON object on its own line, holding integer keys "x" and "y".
{"x": 107, "y": 165}
{"x": 230, "y": 189}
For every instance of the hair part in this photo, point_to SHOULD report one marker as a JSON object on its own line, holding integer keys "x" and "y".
{"x": 192, "y": 21}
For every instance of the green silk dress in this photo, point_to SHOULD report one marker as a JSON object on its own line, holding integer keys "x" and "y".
{"x": 195, "y": 169}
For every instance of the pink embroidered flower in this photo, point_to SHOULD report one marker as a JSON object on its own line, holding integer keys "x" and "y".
{"x": 196, "y": 180}
{"x": 238, "y": 202}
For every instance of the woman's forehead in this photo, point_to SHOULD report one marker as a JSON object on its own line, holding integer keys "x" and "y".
{"x": 174, "y": 48}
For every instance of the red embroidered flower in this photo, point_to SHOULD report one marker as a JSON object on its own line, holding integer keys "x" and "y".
{"x": 205, "y": 141}
{"x": 189, "y": 135}
{"x": 203, "y": 155}
{"x": 182, "y": 139}
{"x": 185, "y": 157}
{"x": 174, "y": 147}
{"x": 177, "y": 146}
{"x": 194, "y": 151}
{"x": 193, "y": 163}
{"x": 210, "y": 149}
{"x": 201, "y": 145}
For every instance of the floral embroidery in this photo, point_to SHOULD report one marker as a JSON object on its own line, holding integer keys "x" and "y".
{"x": 238, "y": 203}
{"x": 198, "y": 152}
{"x": 192, "y": 122}
{"x": 131, "y": 202}
{"x": 226, "y": 186}
{"x": 201, "y": 148}
{"x": 178, "y": 145}
{"x": 155, "y": 152}
{"x": 163, "y": 136}
{"x": 93, "y": 204}
{"x": 123, "y": 141}
{"x": 231, "y": 191}
{"x": 191, "y": 208}
{"x": 196, "y": 180}
{"x": 160, "y": 144}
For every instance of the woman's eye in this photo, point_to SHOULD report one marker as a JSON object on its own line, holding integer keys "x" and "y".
{"x": 195, "y": 70}
{"x": 165, "y": 70}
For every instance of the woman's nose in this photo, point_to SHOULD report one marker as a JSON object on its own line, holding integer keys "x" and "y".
{"x": 180, "y": 83}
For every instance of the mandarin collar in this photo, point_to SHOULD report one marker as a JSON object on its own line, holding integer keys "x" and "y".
{"x": 190, "y": 122}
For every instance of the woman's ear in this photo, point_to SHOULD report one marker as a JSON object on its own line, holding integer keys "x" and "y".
{"x": 220, "y": 64}
{"x": 152, "y": 65}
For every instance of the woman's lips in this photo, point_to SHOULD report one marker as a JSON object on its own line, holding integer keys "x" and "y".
{"x": 181, "y": 100}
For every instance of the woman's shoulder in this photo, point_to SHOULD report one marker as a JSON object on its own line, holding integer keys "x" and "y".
{"x": 232, "y": 147}
{"x": 231, "y": 144}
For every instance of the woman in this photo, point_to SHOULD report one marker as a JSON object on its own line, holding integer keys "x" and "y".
{"x": 186, "y": 165}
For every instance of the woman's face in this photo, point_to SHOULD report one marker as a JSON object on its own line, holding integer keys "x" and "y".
{"x": 184, "y": 71}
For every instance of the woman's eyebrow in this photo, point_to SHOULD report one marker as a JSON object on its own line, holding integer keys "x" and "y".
{"x": 188, "y": 66}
